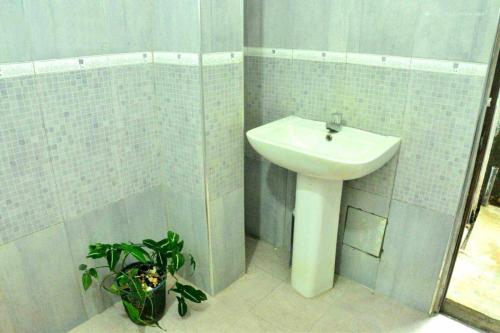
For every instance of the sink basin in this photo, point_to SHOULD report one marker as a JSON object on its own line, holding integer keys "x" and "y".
{"x": 300, "y": 145}
{"x": 322, "y": 162}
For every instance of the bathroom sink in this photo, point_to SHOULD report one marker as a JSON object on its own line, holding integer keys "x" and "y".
{"x": 301, "y": 146}
{"x": 322, "y": 161}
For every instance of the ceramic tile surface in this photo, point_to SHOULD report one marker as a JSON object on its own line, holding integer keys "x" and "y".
{"x": 265, "y": 200}
{"x": 15, "y": 38}
{"x": 43, "y": 299}
{"x": 28, "y": 194}
{"x": 414, "y": 248}
{"x": 260, "y": 302}
{"x": 138, "y": 144}
{"x": 223, "y": 111}
{"x": 318, "y": 89}
{"x": 227, "y": 234}
{"x": 105, "y": 225}
{"x": 81, "y": 129}
{"x": 178, "y": 104}
{"x": 439, "y": 126}
{"x": 375, "y": 98}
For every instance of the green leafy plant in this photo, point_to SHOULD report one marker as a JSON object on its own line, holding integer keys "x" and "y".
{"x": 141, "y": 285}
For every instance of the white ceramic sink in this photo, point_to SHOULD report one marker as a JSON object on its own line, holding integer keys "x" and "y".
{"x": 301, "y": 146}
{"x": 322, "y": 163}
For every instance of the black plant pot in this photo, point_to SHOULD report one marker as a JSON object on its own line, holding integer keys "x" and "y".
{"x": 153, "y": 310}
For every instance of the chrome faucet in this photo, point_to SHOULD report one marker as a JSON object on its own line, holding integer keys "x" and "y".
{"x": 334, "y": 125}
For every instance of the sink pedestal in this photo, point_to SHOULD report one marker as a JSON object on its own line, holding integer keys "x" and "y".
{"x": 317, "y": 210}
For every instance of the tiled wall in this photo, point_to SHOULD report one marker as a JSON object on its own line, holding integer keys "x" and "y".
{"x": 108, "y": 146}
{"x": 223, "y": 110}
{"x": 380, "y": 66}
{"x": 80, "y": 164}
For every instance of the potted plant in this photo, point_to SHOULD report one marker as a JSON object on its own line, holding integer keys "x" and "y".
{"x": 142, "y": 284}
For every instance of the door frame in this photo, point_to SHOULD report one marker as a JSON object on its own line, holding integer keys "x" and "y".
{"x": 466, "y": 206}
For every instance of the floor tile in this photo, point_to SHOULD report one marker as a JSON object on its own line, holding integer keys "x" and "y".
{"x": 287, "y": 308}
{"x": 263, "y": 256}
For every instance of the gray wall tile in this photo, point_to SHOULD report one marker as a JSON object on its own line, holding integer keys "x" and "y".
{"x": 179, "y": 108}
{"x": 80, "y": 136}
{"x": 176, "y": 26}
{"x": 439, "y": 126}
{"x": 129, "y": 24}
{"x": 66, "y": 28}
{"x": 456, "y": 30}
{"x": 15, "y": 37}
{"x": 265, "y": 200}
{"x": 104, "y": 225}
{"x": 375, "y": 98}
{"x": 46, "y": 297}
{"x": 223, "y": 112}
{"x": 382, "y": 27}
{"x": 320, "y": 25}
{"x": 186, "y": 215}
{"x": 414, "y": 248}
{"x": 317, "y": 89}
{"x": 222, "y": 25}
{"x": 147, "y": 215}
{"x": 269, "y": 23}
{"x": 28, "y": 194}
{"x": 136, "y": 142}
{"x": 359, "y": 266}
{"x": 227, "y": 237}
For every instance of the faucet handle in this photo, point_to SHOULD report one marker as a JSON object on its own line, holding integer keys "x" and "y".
{"x": 335, "y": 122}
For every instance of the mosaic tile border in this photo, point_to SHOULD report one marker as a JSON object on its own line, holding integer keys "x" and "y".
{"x": 176, "y": 58}
{"x": 9, "y": 70}
{"x": 222, "y": 58}
{"x": 379, "y": 60}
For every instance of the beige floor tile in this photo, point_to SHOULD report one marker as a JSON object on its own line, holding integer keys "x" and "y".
{"x": 290, "y": 310}
{"x": 249, "y": 290}
{"x": 113, "y": 320}
{"x": 250, "y": 323}
{"x": 273, "y": 261}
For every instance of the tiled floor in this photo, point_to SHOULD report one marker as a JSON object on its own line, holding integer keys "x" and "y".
{"x": 476, "y": 278}
{"x": 264, "y": 301}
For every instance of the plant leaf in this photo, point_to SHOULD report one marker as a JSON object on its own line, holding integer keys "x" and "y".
{"x": 86, "y": 280}
{"x": 82, "y": 267}
{"x": 98, "y": 250}
{"x": 138, "y": 252}
{"x": 180, "y": 246}
{"x": 113, "y": 289}
{"x": 93, "y": 272}
{"x": 181, "y": 306}
{"x": 161, "y": 260}
{"x": 136, "y": 288}
{"x": 133, "y": 312}
{"x": 178, "y": 261}
{"x": 189, "y": 292}
{"x": 113, "y": 256}
{"x": 150, "y": 244}
{"x": 172, "y": 237}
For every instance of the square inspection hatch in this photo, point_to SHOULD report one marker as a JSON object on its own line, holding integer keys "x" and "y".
{"x": 364, "y": 231}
